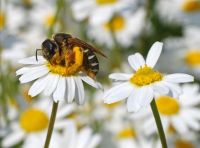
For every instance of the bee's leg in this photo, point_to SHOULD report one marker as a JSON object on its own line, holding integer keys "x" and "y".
{"x": 78, "y": 60}
{"x": 91, "y": 74}
{"x": 69, "y": 58}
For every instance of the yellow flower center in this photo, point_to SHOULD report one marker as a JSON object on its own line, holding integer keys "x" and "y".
{"x": 117, "y": 23}
{"x": 112, "y": 105}
{"x": 2, "y": 20}
{"x": 183, "y": 144}
{"x": 191, "y": 5}
{"x": 49, "y": 20}
{"x": 34, "y": 120}
{"x": 167, "y": 105}
{"x": 126, "y": 133}
{"x": 105, "y": 2}
{"x": 145, "y": 75}
{"x": 192, "y": 58}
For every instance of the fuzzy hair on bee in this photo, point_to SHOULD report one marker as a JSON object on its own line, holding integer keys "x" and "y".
{"x": 70, "y": 52}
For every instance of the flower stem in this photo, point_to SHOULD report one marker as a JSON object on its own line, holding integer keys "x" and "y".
{"x": 51, "y": 124}
{"x": 60, "y": 4}
{"x": 158, "y": 123}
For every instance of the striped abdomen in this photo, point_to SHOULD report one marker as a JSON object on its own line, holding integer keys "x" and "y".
{"x": 91, "y": 63}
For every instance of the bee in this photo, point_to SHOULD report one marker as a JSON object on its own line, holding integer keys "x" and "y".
{"x": 63, "y": 49}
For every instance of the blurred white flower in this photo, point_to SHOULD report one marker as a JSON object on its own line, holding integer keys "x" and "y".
{"x": 12, "y": 18}
{"x": 184, "y": 51}
{"x": 37, "y": 140}
{"x": 180, "y": 116}
{"x": 34, "y": 121}
{"x": 181, "y": 11}
{"x": 141, "y": 86}
{"x": 14, "y": 53}
{"x": 46, "y": 17}
{"x": 124, "y": 27}
{"x": 85, "y": 138}
{"x": 125, "y": 136}
{"x": 54, "y": 80}
{"x": 95, "y": 10}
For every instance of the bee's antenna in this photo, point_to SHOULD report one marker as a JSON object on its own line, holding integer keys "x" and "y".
{"x": 36, "y": 54}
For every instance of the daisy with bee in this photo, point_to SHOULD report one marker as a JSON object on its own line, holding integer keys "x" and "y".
{"x": 66, "y": 61}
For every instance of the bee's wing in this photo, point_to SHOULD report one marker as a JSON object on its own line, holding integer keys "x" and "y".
{"x": 76, "y": 41}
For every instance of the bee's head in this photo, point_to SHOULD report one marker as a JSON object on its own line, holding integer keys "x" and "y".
{"x": 48, "y": 49}
{"x": 61, "y": 37}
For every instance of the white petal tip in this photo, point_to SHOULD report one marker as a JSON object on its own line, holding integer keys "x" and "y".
{"x": 158, "y": 43}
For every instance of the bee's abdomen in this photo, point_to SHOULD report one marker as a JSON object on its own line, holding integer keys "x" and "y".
{"x": 90, "y": 61}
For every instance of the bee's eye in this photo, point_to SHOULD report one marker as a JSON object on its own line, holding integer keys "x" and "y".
{"x": 49, "y": 46}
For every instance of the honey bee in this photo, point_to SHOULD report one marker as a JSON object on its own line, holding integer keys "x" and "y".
{"x": 70, "y": 52}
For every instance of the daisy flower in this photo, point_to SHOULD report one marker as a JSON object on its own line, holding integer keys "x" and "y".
{"x": 37, "y": 140}
{"x": 35, "y": 120}
{"x": 47, "y": 15}
{"x": 184, "y": 51}
{"x": 181, "y": 11}
{"x": 141, "y": 86}
{"x": 94, "y": 10}
{"x": 11, "y": 18}
{"x": 125, "y": 135}
{"x": 54, "y": 80}
{"x": 71, "y": 137}
{"x": 121, "y": 26}
{"x": 84, "y": 138}
{"x": 177, "y": 116}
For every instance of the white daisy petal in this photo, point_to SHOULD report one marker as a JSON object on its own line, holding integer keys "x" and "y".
{"x": 59, "y": 94}
{"x": 179, "y": 125}
{"x": 51, "y": 84}
{"x": 192, "y": 123}
{"x": 146, "y": 97}
{"x": 154, "y": 54}
{"x": 141, "y": 97}
{"x": 79, "y": 93}
{"x": 120, "y": 76}
{"x": 160, "y": 88}
{"x": 32, "y": 60}
{"x": 174, "y": 88}
{"x": 179, "y": 78}
{"x": 140, "y": 59}
{"x": 97, "y": 18}
{"x": 65, "y": 110}
{"x": 82, "y": 9}
{"x": 34, "y": 73}
{"x": 70, "y": 133}
{"x": 70, "y": 91}
{"x": 22, "y": 70}
{"x": 118, "y": 93}
{"x": 193, "y": 112}
{"x": 132, "y": 102}
{"x": 91, "y": 82}
{"x": 38, "y": 86}
{"x": 149, "y": 126}
{"x": 13, "y": 138}
{"x": 84, "y": 137}
{"x": 136, "y": 61}
{"x": 94, "y": 141}
{"x": 61, "y": 124}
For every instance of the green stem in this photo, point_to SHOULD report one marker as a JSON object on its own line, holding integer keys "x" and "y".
{"x": 51, "y": 124}
{"x": 59, "y": 6}
{"x": 158, "y": 123}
